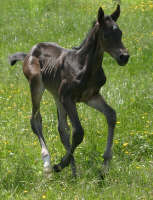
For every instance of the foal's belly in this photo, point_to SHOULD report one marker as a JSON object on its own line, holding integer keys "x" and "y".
{"x": 87, "y": 94}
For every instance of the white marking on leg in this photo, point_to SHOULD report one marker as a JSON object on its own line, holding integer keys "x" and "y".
{"x": 46, "y": 159}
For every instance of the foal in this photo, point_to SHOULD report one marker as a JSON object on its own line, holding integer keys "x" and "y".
{"x": 73, "y": 75}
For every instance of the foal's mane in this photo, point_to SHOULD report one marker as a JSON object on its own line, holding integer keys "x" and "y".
{"x": 88, "y": 34}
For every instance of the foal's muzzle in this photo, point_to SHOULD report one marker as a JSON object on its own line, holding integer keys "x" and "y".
{"x": 123, "y": 59}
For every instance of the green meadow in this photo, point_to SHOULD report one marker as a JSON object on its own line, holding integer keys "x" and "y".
{"x": 129, "y": 90}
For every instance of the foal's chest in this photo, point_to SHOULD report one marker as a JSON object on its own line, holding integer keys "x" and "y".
{"x": 90, "y": 86}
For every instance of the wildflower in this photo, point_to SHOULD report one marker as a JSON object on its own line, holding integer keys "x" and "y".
{"x": 151, "y": 6}
{"x": 116, "y": 141}
{"x": 25, "y": 191}
{"x": 43, "y": 196}
{"x": 125, "y": 144}
{"x": 118, "y": 122}
{"x": 145, "y": 132}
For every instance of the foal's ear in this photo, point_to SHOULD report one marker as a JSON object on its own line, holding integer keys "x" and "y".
{"x": 101, "y": 16}
{"x": 116, "y": 13}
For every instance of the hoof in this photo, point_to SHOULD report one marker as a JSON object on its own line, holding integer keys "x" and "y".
{"x": 104, "y": 170}
{"x": 47, "y": 170}
{"x": 57, "y": 168}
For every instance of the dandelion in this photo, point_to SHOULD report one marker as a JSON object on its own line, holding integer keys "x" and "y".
{"x": 43, "y": 196}
{"x": 145, "y": 132}
{"x": 118, "y": 122}
{"x": 151, "y": 6}
{"x": 116, "y": 141}
{"x": 125, "y": 144}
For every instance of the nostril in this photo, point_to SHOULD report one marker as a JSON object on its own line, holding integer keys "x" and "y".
{"x": 124, "y": 57}
{"x": 121, "y": 57}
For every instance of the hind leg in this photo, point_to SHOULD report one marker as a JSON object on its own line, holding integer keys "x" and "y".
{"x": 33, "y": 75}
{"x": 64, "y": 132}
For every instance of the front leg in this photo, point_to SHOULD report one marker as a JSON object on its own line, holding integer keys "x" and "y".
{"x": 99, "y": 104}
{"x": 77, "y": 137}
{"x": 64, "y": 132}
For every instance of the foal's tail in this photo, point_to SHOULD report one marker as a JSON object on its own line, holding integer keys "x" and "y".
{"x": 16, "y": 57}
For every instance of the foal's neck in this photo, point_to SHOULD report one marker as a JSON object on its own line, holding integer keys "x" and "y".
{"x": 92, "y": 48}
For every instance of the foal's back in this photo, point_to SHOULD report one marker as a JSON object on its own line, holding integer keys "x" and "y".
{"x": 48, "y": 57}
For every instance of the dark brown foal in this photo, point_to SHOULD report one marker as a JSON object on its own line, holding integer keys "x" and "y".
{"x": 73, "y": 75}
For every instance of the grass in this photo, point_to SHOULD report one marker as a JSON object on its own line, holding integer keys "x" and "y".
{"x": 128, "y": 89}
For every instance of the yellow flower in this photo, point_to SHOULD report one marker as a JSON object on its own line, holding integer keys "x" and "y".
{"x": 151, "y": 6}
{"x": 145, "y": 132}
{"x": 118, "y": 122}
{"x": 116, "y": 141}
{"x": 5, "y": 142}
{"x": 126, "y": 152}
{"x": 43, "y": 196}
{"x": 125, "y": 144}
{"x": 25, "y": 191}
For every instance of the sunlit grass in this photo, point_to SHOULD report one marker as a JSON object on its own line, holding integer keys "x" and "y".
{"x": 128, "y": 89}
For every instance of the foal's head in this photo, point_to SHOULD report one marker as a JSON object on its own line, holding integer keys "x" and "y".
{"x": 111, "y": 36}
